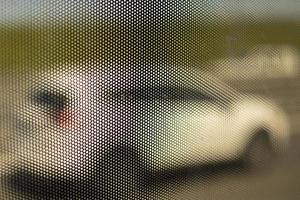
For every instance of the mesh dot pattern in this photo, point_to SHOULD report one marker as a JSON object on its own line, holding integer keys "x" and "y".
{"x": 127, "y": 99}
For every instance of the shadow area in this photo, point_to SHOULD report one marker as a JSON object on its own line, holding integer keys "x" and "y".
{"x": 200, "y": 173}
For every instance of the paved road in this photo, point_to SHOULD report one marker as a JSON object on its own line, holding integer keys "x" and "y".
{"x": 279, "y": 181}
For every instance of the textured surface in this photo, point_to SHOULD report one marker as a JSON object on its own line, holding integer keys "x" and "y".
{"x": 112, "y": 100}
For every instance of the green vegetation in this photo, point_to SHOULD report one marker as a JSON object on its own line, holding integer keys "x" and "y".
{"x": 36, "y": 46}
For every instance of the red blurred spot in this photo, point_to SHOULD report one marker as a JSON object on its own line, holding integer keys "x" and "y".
{"x": 66, "y": 119}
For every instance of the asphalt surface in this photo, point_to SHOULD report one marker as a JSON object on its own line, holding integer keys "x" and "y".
{"x": 279, "y": 180}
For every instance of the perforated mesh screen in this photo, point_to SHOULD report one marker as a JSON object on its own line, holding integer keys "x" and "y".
{"x": 149, "y": 99}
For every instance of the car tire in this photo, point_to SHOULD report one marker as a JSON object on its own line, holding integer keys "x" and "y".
{"x": 259, "y": 152}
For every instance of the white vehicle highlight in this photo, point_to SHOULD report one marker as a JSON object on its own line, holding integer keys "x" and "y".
{"x": 171, "y": 117}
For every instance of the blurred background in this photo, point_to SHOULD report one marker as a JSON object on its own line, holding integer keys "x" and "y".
{"x": 252, "y": 45}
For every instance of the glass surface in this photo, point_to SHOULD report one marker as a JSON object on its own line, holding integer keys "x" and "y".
{"x": 149, "y": 99}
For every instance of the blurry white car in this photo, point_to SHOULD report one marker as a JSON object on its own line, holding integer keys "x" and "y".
{"x": 73, "y": 121}
{"x": 260, "y": 62}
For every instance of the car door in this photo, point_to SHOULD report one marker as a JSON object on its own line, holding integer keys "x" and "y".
{"x": 189, "y": 127}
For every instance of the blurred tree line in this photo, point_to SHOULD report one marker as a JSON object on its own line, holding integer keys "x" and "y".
{"x": 30, "y": 46}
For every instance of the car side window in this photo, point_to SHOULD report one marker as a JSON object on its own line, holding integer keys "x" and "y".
{"x": 169, "y": 93}
{"x": 196, "y": 95}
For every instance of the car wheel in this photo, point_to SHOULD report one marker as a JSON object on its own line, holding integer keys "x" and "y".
{"x": 259, "y": 151}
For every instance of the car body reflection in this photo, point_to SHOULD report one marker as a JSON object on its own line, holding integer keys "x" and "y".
{"x": 110, "y": 127}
